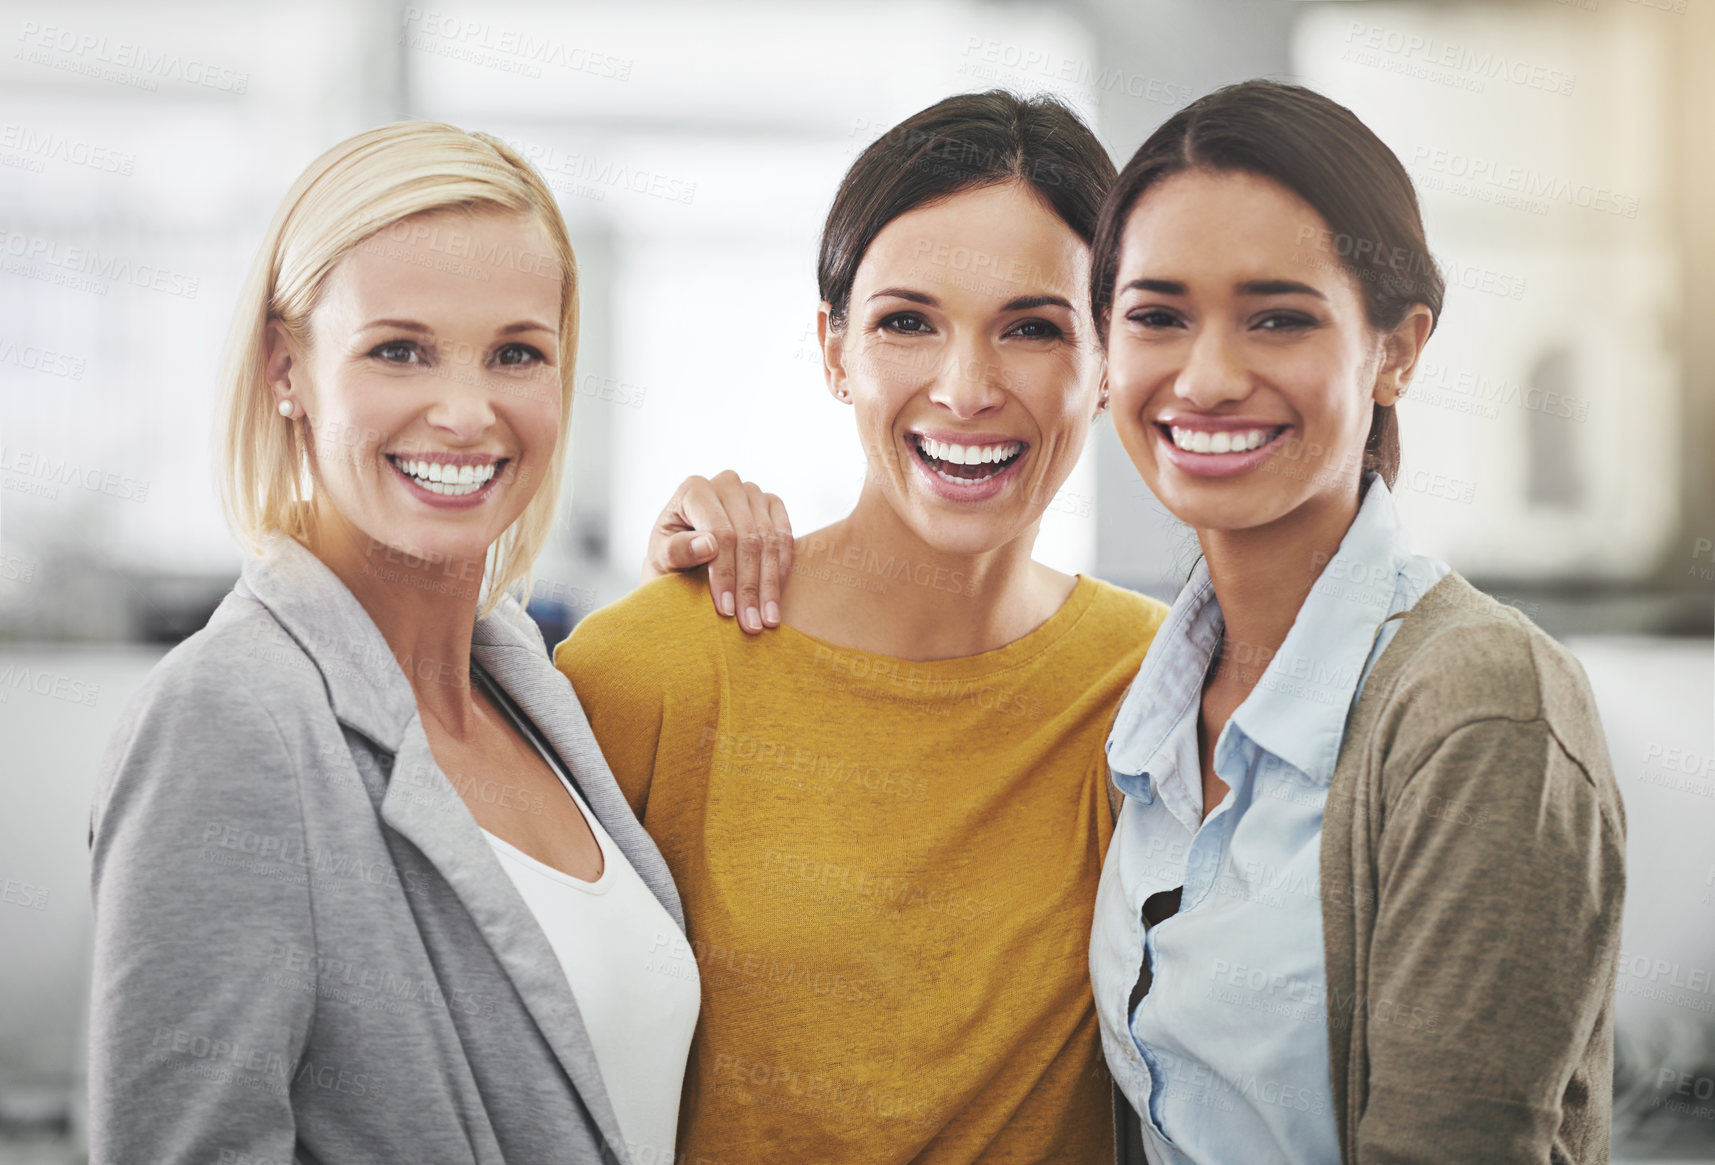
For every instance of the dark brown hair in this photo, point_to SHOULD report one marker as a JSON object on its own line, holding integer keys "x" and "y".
{"x": 1319, "y": 150}
{"x": 962, "y": 143}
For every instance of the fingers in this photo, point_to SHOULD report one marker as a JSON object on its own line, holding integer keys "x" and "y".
{"x": 740, "y": 532}
{"x": 688, "y": 550}
{"x": 777, "y": 561}
{"x": 753, "y": 553}
{"x": 660, "y": 556}
{"x": 726, "y": 518}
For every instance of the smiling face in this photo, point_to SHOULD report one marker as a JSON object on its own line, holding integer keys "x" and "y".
{"x": 969, "y": 355}
{"x": 430, "y": 383}
{"x": 1242, "y": 367}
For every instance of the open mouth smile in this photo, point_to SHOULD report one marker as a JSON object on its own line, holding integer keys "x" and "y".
{"x": 447, "y": 479}
{"x": 1216, "y": 448}
{"x": 963, "y": 466}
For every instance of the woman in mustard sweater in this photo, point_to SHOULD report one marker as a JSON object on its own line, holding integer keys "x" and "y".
{"x": 887, "y": 818}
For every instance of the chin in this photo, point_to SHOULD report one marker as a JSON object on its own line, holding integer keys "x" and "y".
{"x": 429, "y": 542}
{"x": 962, "y": 535}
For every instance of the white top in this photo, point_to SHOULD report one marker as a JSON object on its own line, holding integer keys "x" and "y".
{"x": 634, "y": 978}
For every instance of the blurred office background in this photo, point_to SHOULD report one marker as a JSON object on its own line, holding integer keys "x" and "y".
{"x": 1558, "y": 446}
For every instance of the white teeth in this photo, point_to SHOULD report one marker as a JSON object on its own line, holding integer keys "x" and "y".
{"x": 1221, "y": 441}
{"x": 969, "y": 454}
{"x": 442, "y": 478}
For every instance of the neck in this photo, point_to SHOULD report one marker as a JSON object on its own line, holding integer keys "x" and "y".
{"x": 877, "y": 586}
{"x": 424, "y": 608}
{"x": 1261, "y": 577}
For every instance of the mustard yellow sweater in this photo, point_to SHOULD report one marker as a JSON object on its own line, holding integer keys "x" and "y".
{"x": 888, "y": 870}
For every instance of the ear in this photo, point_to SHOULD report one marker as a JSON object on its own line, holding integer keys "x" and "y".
{"x": 281, "y": 364}
{"x": 1401, "y": 350}
{"x": 1102, "y": 395}
{"x": 833, "y": 355}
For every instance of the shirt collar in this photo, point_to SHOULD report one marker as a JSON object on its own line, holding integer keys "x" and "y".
{"x": 1168, "y": 686}
{"x": 1298, "y": 709}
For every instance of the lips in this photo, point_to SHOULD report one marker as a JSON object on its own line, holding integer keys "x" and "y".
{"x": 1218, "y": 446}
{"x": 973, "y": 468}
{"x": 448, "y": 477}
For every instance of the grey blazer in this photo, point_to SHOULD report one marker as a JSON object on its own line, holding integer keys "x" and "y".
{"x": 305, "y": 950}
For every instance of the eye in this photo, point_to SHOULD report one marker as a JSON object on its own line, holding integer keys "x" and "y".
{"x": 519, "y": 354}
{"x": 905, "y": 323}
{"x": 398, "y": 352}
{"x": 1037, "y": 330}
{"x": 1154, "y": 317}
{"x": 1285, "y": 321}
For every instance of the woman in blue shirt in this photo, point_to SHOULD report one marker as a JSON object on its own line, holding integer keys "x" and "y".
{"x": 1360, "y": 904}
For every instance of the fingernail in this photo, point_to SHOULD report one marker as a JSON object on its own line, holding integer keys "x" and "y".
{"x": 773, "y": 612}
{"x": 727, "y": 604}
{"x": 702, "y": 544}
{"x": 752, "y": 619}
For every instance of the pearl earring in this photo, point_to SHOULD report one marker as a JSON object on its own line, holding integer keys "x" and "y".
{"x": 287, "y": 408}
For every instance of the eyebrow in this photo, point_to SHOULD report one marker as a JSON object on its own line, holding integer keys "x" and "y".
{"x": 425, "y": 330}
{"x": 1248, "y": 287}
{"x": 1021, "y": 303}
{"x": 1026, "y": 302}
{"x": 1278, "y": 287}
{"x": 922, "y": 297}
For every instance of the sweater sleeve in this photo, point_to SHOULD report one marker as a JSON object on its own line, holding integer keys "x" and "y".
{"x": 1501, "y": 878}
{"x": 192, "y": 1042}
{"x": 627, "y": 661}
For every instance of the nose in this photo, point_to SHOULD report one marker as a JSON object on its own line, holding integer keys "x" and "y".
{"x": 462, "y": 408}
{"x": 970, "y": 381}
{"x": 1213, "y": 373}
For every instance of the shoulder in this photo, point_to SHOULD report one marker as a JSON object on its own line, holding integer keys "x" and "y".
{"x": 666, "y": 625}
{"x": 218, "y": 731}
{"x": 242, "y": 658}
{"x": 1122, "y": 618}
{"x": 226, "y": 689}
{"x": 1463, "y": 658}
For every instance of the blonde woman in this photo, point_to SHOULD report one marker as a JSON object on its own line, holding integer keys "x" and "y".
{"x": 364, "y": 886}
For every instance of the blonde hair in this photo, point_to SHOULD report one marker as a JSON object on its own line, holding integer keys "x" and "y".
{"x": 361, "y": 186}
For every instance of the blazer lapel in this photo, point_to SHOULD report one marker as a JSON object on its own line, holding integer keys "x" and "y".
{"x": 546, "y": 697}
{"x": 422, "y": 805}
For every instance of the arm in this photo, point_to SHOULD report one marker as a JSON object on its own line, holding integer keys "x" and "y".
{"x": 192, "y": 1049}
{"x": 1501, "y": 878}
{"x": 742, "y": 534}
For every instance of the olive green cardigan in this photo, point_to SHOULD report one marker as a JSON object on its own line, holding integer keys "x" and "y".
{"x": 1473, "y": 870}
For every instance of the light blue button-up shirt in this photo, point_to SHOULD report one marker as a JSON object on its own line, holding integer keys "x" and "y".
{"x": 1226, "y": 1056}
